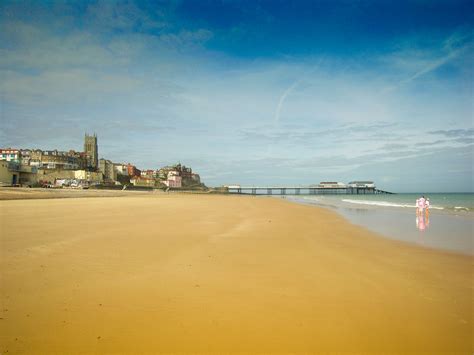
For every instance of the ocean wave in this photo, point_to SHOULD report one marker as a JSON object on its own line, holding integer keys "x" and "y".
{"x": 457, "y": 208}
{"x": 386, "y": 204}
{"x": 378, "y": 203}
{"x": 334, "y": 202}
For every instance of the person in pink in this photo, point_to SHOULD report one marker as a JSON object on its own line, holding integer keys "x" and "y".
{"x": 420, "y": 204}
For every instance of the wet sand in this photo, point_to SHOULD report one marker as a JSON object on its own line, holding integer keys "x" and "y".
{"x": 187, "y": 273}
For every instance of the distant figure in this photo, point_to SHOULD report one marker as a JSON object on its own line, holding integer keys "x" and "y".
{"x": 427, "y": 207}
{"x": 420, "y": 204}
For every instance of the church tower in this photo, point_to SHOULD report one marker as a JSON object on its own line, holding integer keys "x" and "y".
{"x": 92, "y": 152}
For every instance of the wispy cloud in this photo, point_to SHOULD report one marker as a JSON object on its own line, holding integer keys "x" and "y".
{"x": 126, "y": 16}
{"x": 288, "y": 91}
{"x": 469, "y": 132}
{"x": 453, "y": 47}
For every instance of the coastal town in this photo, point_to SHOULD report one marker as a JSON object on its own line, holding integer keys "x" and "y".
{"x": 84, "y": 169}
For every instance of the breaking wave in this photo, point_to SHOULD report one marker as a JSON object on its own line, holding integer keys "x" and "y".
{"x": 388, "y": 204}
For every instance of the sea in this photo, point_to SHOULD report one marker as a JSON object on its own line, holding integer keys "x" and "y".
{"x": 449, "y": 225}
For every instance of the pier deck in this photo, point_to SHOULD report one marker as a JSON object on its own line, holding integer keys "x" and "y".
{"x": 298, "y": 190}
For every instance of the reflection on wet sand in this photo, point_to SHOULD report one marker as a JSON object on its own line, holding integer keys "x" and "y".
{"x": 450, "y": 232}
{"x": 422, "y": 222}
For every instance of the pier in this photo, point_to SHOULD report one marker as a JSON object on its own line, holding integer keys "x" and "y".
{"x": 298, "y": 190}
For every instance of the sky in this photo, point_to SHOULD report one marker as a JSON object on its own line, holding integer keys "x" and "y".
{"x": 248, "y": 92}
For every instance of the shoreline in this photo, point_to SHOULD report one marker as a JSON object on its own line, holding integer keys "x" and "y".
{"x": 440, "y": 231}
{"x": 387, "y": 235}
{"x": 181, "y": 273}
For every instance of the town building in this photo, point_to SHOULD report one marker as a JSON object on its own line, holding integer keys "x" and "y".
{"x": 162, "y": 173}
{"x": 93, "y": 177}
{"x": 173, "y": 180}
{"x": 79, "y": 159}
{"x": 25, "y": 156}
{"x": 92, "y": 152}
{"x": 55, "y": 159}
{"x": 9, "y": 176}
{"x": 50, "y": 176}
{"x": 35, "y": 157}
{"x": 148, "y": 173}
{"x": 13, "y": 173}
{"x": 107, "y": 168}
{"x": 121, "y": 169}
{"x": 121, "y": 173}
{"x": 185, "y": 172}
{"x": 143, "y": 181}
{"x": 132, "y": 170}
{"x": 10, "y": 154}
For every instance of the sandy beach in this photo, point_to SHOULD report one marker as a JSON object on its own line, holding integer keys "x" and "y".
{"x": 157, "y": 273}
{"x": 15, "y": 193}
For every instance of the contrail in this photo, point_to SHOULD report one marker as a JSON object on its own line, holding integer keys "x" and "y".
{"x": 283, "y": 97}
{"x": 289, "y": 90}
{"x": 433, "y": 66}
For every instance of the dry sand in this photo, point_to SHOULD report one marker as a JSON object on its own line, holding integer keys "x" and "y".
{"x": 180, "y": 274}
{"x": 16, "y": 193}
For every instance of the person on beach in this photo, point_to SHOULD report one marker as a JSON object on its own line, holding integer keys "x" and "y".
{"x": 420, "y": 204}
{"x": 427, "y": 207}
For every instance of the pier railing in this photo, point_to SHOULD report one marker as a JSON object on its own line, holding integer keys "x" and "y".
{"x": 296, "y": 190}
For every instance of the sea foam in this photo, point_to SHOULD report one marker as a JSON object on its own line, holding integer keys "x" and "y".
{"x": 386, "y": 204}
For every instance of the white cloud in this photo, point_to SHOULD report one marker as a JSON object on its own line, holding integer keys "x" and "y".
{"x": 185, "y": 39}
{"x": 63, "y": 87}
{"x": 105, "y": 15}
{"x": 36, "y": 47}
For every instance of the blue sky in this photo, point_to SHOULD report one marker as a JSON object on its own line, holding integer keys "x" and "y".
{"x": 249, "y": 92}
